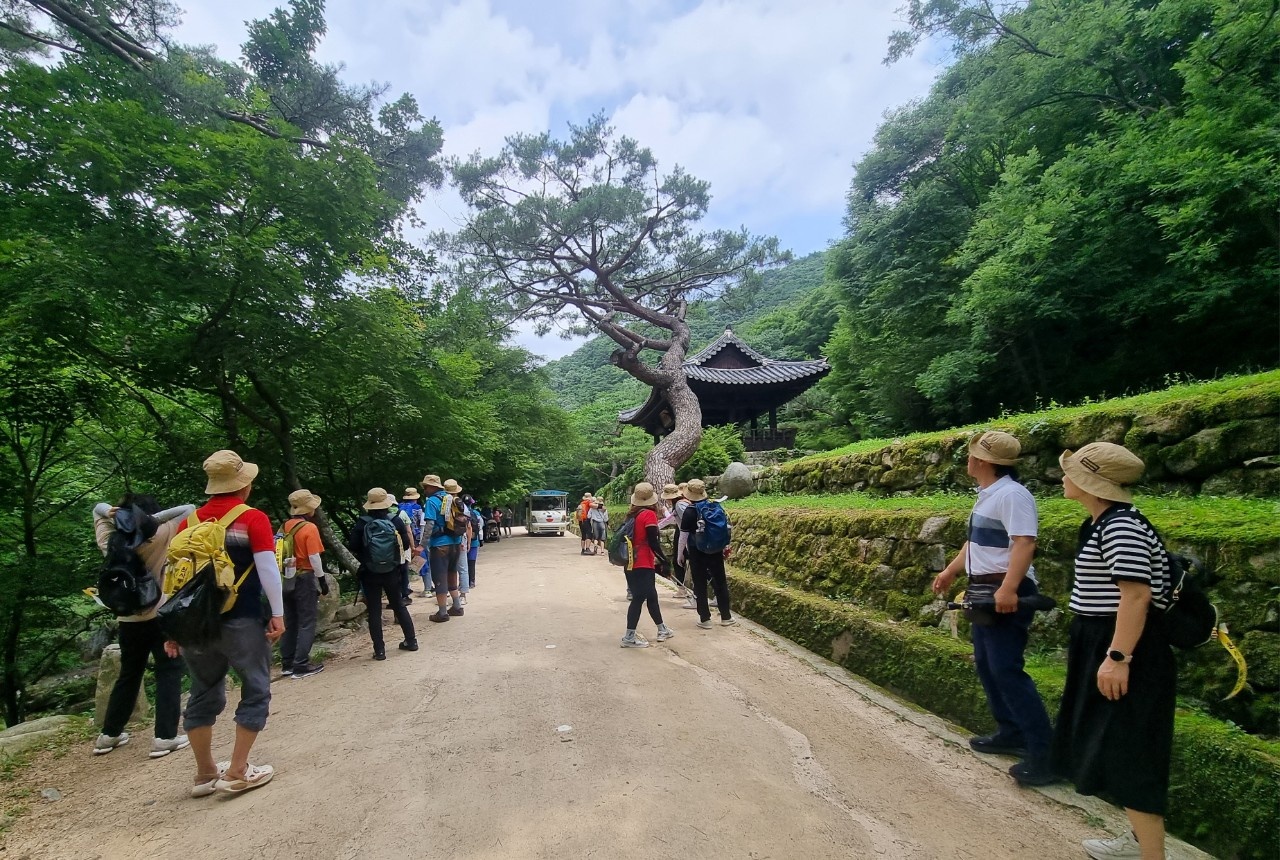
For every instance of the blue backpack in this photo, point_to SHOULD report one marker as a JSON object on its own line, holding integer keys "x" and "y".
{"x": 714, "y": 531}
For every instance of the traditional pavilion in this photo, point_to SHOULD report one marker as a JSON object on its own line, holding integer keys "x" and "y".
{"x": 734, "y": 385}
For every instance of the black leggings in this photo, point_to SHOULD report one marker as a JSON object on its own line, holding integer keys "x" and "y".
{"x": 644, "y": 589}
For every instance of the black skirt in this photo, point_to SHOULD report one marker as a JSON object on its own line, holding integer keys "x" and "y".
{"x": 1118, "y": 749}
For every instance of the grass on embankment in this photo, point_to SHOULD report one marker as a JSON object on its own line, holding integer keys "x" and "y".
{"x": 1191, "y": 519}
{"x": 1224, "y": 389}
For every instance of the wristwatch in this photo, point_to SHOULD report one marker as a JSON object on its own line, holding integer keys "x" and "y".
{"x": 1119, "y": 656}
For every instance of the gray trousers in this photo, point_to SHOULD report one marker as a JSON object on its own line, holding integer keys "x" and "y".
{"x": 301, "y": 605}
{"x": 243, "y": 648}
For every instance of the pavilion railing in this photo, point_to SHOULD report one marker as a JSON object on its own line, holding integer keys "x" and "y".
{"x": 764, "y": 439}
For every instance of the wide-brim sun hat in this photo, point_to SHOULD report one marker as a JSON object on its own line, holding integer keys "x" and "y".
{"x": 643, "y": 495}
{"x": 411, "y": 493}
{"x": 670, "y": 491}
{"x": 996, "y": 446}
{"x": 1103, "y": 469}
{"x": 432, "y": 481}
{"x": 378, "y": 500}
{"x": 303, "y": 502}
{"x": 452, "y": 487}
{"x": 228, "y": 473}
{"x": 696, "y": 490}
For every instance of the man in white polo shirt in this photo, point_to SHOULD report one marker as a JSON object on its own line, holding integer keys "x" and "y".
{"x": 1001, "y": 544}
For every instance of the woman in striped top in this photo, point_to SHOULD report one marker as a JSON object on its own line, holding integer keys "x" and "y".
{"x": 1114, "y": 733}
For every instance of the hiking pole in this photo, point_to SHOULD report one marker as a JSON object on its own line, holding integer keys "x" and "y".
{"x": 1036, "y": 602}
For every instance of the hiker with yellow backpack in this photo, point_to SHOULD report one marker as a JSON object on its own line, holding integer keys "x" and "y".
{"x": 298, "y": 550}
{"x": 221, "y": 565}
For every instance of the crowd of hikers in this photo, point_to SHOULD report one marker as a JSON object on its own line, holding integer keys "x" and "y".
{"x": 189, "y": 585}
{"x": 210, "y": 589}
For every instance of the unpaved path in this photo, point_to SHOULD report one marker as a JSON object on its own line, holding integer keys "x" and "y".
{"x": 716, "y": 744}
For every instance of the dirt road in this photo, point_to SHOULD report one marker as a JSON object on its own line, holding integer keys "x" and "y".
{"x": 522, "y": 730}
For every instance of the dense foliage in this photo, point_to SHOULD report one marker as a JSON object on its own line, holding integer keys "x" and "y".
{"x": 1084, "y": 203}
{"x": 199, "y": 254}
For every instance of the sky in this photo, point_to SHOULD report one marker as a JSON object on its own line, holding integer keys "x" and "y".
{"x": 771, "y": 101}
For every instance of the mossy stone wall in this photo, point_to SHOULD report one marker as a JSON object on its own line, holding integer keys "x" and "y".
{"x": 1218, "y": 439}
{"x": 1224, "y": 782}
{"x": 886, "y": 560}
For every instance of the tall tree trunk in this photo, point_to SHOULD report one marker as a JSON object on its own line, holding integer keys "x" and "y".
{"x": 661, "y": 463}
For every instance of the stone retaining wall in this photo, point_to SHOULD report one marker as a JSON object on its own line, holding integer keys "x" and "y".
{"x": 1220, "y": 439}
{"x": 886, "y": 561}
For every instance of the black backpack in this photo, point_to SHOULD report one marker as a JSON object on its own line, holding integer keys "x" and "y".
{"x": 125, "y": 586}
{"x": 1190, "y": 618}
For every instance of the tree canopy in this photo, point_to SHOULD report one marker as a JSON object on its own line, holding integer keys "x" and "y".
{"x": 587, "y": 234}
{"x": 1083, "y": 204}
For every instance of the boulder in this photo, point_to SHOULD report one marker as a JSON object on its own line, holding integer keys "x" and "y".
{"x": 108, "y": 672}
{"x": 43, "y": 724}
{"x": 328, "y": 604}
{"x": 32, "y": 733}
{"x": 349, "y": 612}
{"x": 736, "y": 482}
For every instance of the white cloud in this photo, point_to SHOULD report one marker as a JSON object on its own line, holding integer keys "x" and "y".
{"x": 771, "y": 101}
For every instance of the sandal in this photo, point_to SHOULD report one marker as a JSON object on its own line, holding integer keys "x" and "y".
{"x": 255, "y": 776}
{"x": 204, "y": 789}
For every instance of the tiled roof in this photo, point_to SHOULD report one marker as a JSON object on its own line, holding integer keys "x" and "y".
{"x": 720, "y": 343}
{"x": 773, "y": 372}
{"x": 769, "y": 372}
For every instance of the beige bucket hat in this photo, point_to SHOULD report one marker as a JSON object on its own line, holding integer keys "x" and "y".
{"x": 1102, "y": 469}
{"x": 432, "y": 481}
{"x": 452, "y": 487}
{"x": 997, "y": 447}
{"x": 411, "y": 493}
{"x": 228, "y": 473}
{"x": 670, "y": 491}
{"x": 378, "y": 500}
{"x": 696, "y": 491}
{"x": 303, "y": 502}
{"x": 643, "y": 495}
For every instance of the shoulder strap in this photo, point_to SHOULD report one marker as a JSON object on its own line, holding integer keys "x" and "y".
{"x": 193, "y": 520}
{"x": 295, "y": 529}
{"x": 232, "y": 515}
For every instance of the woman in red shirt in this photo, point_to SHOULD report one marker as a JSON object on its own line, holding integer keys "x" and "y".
{"x": 648, "y": 560}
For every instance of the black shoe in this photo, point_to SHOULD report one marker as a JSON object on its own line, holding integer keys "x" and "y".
{"x": 407, "y": 601}
{"x": 408, "y": 646}
{"x": 309, "y": 669}
{"x": 379, "y": 655}
{"x": 455, "y": 610}
{"x": 438, "y": 616}
{"x": 1032, "y": 773}
{"x": 996, "y": 745}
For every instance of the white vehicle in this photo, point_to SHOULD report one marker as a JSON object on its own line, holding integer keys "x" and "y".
{"x": 548, "y": 512}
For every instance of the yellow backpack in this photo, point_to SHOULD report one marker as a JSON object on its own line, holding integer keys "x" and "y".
{"x": 201, "y": 545}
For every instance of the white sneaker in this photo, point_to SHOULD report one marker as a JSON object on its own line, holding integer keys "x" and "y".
{"x": 636, "y": 641}
{"x": 665, "y": 634}
{"x": 728, "y": 622}
{"x": 1119, "y": 847}
{"x": 714, "y": 605}
{"x": 161, "y": 747}
{"x": 689, "y": 603}
{"x": 106, "y": 743}
{"x": 705, "y": 625}
{"x": 464, "y": 600}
